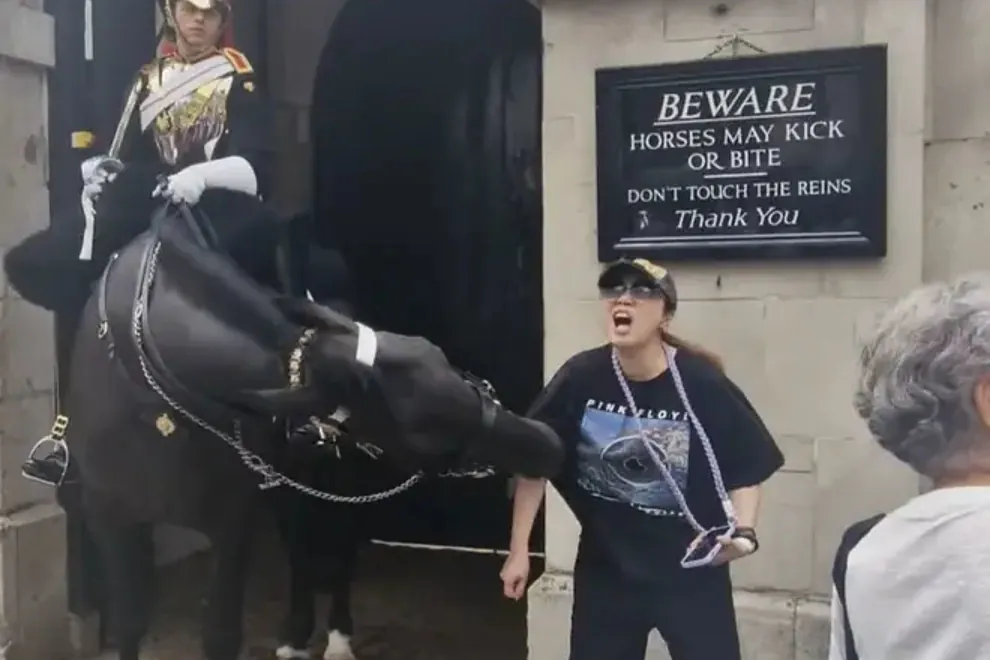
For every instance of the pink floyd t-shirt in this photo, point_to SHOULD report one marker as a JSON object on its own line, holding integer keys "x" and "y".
{"x": 630, "y": 517}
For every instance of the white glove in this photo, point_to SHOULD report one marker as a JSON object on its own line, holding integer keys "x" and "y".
{"x": 99, "y": 168}
{"x": 231, "y": 173}
{"x": 186, "y": 186}
{"x": 95, "y": 180}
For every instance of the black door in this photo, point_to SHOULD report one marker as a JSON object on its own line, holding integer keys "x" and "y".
{"x": 426, "y": 130}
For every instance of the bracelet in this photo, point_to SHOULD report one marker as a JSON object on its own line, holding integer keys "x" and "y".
{"x": 744, "y": 538}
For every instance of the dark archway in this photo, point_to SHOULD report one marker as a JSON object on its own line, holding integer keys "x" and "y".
{"x": 426, "y": 130}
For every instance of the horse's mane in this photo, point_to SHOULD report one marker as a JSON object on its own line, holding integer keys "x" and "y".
{"x": 216, "y": 284}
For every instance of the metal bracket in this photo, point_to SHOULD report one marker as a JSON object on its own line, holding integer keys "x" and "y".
{"x": 733, "y": 43}
{"x": 59, "y": 427}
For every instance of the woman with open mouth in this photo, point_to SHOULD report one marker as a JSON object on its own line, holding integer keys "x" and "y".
{"x": 666, "y": 458}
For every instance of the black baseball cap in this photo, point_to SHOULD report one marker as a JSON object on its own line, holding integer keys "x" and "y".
{"x": 653, "y": 275}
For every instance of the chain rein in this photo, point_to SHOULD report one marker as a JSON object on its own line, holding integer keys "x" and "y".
{"x": 655, "y": 454}
{"x": 271, "y": 478}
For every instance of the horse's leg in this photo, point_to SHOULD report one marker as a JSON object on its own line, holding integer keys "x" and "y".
{"x": 127, "y": 554}
{"x": 340, "y": 623}
{"x": 301, "y": 618}
{"x": 223, "y": 621}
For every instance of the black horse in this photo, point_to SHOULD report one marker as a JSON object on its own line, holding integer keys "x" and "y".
{"x": 181, "y": 363}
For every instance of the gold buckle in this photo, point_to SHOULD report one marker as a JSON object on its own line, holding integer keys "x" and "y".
{"x": 165, "y": 425}
{"x": 59, "y": 427}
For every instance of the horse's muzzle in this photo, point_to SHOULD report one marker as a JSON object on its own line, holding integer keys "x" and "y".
{"x": 520, "y": 446}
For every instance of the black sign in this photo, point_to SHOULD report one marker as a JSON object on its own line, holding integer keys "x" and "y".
{"x": 758, "y": 157}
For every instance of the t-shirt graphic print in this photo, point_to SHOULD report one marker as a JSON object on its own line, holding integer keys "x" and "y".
{"x": 613, "y": 462}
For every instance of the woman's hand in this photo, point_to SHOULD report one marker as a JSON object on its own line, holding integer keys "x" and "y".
{"x": 733, "y": 548}
{"x": 515, "y": 575}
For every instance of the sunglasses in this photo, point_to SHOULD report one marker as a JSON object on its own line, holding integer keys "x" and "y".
{"x": 635, "y": 291}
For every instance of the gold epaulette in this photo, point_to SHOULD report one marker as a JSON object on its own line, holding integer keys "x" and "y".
{"x": 238, "y": 60}
{"x": 154, "y": 66}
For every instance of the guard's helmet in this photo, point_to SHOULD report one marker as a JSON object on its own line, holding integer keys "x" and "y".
{"x": 222, "y": 6}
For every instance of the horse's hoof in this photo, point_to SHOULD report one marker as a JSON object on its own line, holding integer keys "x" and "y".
{"x": 338, "y": 647}
{"x": 286, "y": 652}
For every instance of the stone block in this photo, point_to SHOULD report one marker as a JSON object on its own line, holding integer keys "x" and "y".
{"x": 574, "y": 325}
{"x": 34, "y": 599}
{"x": 688, "y": 19}
{"x": 292, "y": 183}
{"x": 26, "y": 33}
{"x": 562, "y": 534}
{"x": 811, "y": 630}
{"x": 27, "y": 356}
{"x": 549, "y": 617}
{"x": 23, "y": 152}
{"x": 299, "y": 31}
{"x": 766, "y": 626}
{"x": 731, "y": 328}
{"x": 799, "y": 452}
{"x": 22, "y": 421}
{"x": 956, "y": 207}
{"x": 960, "y": 98}
{"x": 754, "y": 281}
{"x": 854, "y": 479}
{"x": 786, "y": 528}
{"x": 811, "y": 369}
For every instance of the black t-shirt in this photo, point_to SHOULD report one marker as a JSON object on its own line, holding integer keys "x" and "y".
{"x": 631, "y": 522}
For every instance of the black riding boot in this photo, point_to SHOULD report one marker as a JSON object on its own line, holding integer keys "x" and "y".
{"x": 49, "y": 469}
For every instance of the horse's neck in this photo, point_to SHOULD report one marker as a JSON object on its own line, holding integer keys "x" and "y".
{"x": 207, "y": 354}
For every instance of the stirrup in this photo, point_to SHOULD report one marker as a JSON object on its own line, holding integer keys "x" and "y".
{"x": 51, "y": 468}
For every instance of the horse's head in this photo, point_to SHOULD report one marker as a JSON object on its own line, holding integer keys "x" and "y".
{"x": 409, "y": 401}
{"x": 233, "y": 341}
{"x": 395, "y": 391}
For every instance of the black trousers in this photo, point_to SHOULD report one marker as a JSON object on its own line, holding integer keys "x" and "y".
{"x": 693, "y": 612}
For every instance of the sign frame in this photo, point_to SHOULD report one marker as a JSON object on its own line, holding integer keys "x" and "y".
{"x": 869, "y": 240}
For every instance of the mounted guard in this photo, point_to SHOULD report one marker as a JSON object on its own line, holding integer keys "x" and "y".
{"x": 194, "y": 129}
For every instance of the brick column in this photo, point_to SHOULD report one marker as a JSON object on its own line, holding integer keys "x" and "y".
{"x": 33, "y": 586}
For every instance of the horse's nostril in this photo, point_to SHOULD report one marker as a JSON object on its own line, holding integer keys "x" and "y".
{"x": 633, "y": 465}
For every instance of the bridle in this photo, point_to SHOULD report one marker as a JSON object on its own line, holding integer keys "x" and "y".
{"x": 332, "y": 430}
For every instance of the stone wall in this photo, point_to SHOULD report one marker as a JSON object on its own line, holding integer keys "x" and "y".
{"x": 788, "y": 332}
{"x": 298, "y": 30}
{"x": 33, "y": 605}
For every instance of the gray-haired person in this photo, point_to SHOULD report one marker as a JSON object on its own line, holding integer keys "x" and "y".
{"x": 915, "y": 583}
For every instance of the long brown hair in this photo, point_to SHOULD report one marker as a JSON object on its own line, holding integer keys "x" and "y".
{"x": 690, "y": 347}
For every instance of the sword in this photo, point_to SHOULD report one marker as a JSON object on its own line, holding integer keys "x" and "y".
{"x": 103, "y": 167}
